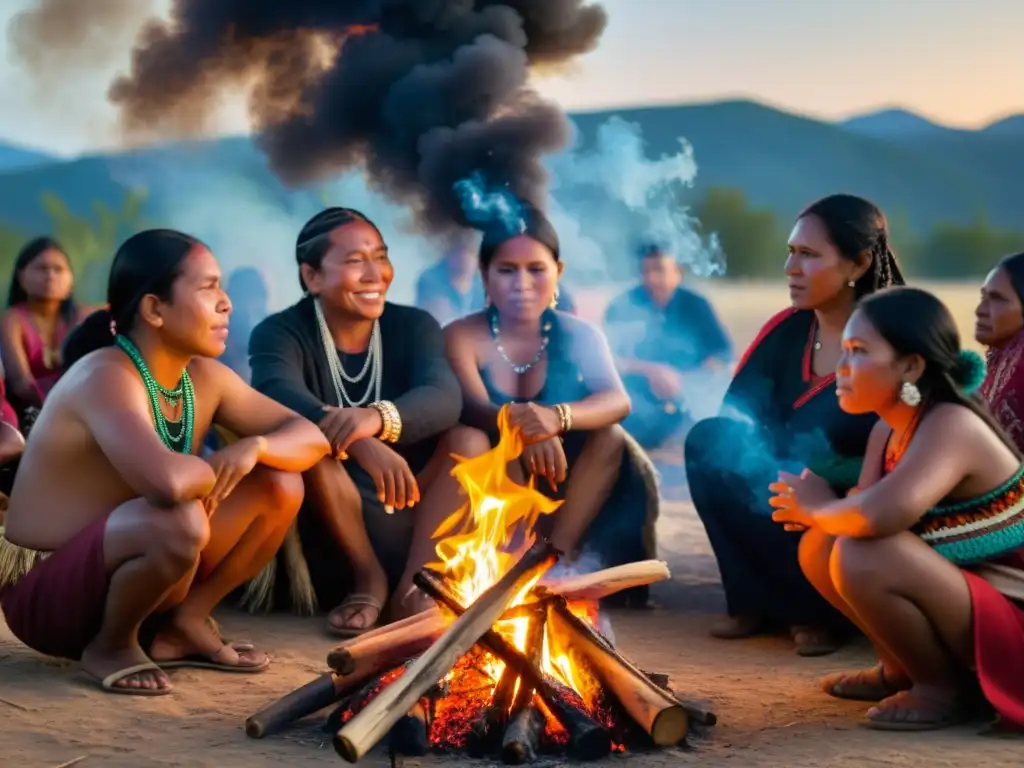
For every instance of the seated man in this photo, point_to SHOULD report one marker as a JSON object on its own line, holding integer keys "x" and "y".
{"x": 373, "y": 375}
{"x": 661, "y": 332}
{"x": 137, "y": 534}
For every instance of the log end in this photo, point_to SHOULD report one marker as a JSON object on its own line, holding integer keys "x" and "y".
{"x": 341, "y": 661}
{"x": 346, "y": 750}
{"x": 254, "y": 728}
{"x": 670, "y": 726}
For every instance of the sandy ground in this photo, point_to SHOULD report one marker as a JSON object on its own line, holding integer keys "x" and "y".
{"x": 770, "y": 711}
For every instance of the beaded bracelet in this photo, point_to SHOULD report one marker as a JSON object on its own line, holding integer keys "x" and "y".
{"x": 390, "y": 419}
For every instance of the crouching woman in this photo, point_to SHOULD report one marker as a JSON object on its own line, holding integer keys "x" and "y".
{"x": 925, "y": 554}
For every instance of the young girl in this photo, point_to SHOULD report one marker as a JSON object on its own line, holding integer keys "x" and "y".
{"x": 917, "y": 554}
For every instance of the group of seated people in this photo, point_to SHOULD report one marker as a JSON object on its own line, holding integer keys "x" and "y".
{"x": 343, "y": 445}
{"x": 865, "y": 475}
{"x": 832, "y": 493}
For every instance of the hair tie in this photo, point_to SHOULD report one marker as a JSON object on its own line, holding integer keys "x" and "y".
{"x": 969, "y": 371}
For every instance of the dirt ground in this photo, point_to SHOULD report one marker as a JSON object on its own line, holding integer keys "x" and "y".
{"x": 770, "y": 711}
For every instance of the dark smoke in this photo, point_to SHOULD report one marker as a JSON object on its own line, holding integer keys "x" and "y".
{"x": 421, "y": 93}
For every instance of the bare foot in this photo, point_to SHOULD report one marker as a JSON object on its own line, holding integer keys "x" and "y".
{"x": 872, "y": 684}
{"x": 195, "y": 642}
{"x": 736, "y": 627}
{"x": 922, "y": 708}
{"x": 102, "y": 663}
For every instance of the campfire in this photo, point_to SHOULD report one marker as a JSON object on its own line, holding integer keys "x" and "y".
{"x": 508, "y": 662}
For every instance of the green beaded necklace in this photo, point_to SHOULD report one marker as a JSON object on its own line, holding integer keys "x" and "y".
{"x": 182, "y": 441}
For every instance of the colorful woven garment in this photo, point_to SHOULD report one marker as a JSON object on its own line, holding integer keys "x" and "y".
{"x": 980, "y": 529}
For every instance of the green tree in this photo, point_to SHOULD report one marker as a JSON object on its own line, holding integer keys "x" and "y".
{"x": 964, "y": 250}
{"x": 91, "y": 242}
{"x": 11, "y": 241}
{"x": 751, "y": 238}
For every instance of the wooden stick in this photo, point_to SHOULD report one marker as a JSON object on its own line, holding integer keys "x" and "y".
{"x": 654, "y": 710}
{"x": 387, "y": 649}
{"x": 601, "y": 584}
{"x": 363, "y": 731}
{"x": 522, "y": 737}
{"x": 587, "y": 739}
{"x": 310, "y": 698}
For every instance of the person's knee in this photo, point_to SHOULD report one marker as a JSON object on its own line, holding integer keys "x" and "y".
{"x": 609, "y": 443}
{"x": 181, "y": 533}
{"x": 856, "y": 563}
{"x": 466, "y": 442}
{"x": 814, "y": 554}
{"x": 282, "y": 494}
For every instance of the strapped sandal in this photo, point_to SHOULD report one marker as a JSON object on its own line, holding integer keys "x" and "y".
{"x": 935, "y": 714}
{"x": 209, "y": 661}
{"x": 110, "y": 682}
{"x": 862, "y": 685}
{"x": 355, "y": 601}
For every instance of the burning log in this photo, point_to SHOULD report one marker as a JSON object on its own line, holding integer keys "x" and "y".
{"x": 660, "y": 714}
{"x": 310, "y": 698}
{"x": 587, "y": 739}
{"x": 522, "y": 737}
{"x": 489, "y": 729}
{"x": 410, "y": 735}
{"x": 364, "y": 730}
{"x": 375, "y": 652}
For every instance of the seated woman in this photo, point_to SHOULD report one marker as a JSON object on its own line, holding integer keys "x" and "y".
{"x": 1000, "y": 327}
{"x": 137, "y": 541}
{"x": 780, "y": 411}
{"x": 12, "y": 443}
{"x": 567, "y": 397}
{"x": 373, "y": 375}
{"x": 939, "y": 510}
{"x": 41, "y": 311}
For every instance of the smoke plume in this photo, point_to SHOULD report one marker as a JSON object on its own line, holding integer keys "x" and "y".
{"x": 419, "y": 94}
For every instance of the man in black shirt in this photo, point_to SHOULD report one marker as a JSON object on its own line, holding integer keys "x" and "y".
{"x": 660, "y": 332}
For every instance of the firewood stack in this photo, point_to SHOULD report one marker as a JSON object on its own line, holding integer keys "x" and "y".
{"x": 427, "y": 683}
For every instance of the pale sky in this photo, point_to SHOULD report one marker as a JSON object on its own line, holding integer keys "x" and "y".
{"x": 960, "y": 62}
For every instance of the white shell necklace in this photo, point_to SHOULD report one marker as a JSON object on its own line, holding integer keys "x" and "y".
{"x": 374, "y": 365}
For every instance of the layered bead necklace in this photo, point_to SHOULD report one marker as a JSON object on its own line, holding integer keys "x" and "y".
{"x": 520, "y": 368}
{"x": 374, "y": 365}
{"x": 180, "y": 438}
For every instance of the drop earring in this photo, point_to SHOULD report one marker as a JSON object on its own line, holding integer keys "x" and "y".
{"x": 910, "y": 394}
{"x": 554, "y": 299}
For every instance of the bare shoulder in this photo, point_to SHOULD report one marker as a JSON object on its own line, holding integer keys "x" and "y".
{"x": 211, "y": 375}
{"x": 10, "y": 319}
{"x": 103, "y": 376}
{"x": 581, "y": 332}
{"x": 953, "y": 416}
{"x": 468, "y": 329}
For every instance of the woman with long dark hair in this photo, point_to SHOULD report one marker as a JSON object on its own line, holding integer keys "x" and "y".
{"x": 780, "y": 411}
{"x": 373, "y": 376}
{"x": 119, "y": 540}
{"x": 920, "y": 555}
{"x": 40, "y": 311}
{"x": 999, "y": 325}
{"x": 557, "y": 373}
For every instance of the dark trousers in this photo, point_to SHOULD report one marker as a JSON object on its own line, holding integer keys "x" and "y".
{"x": 729, "y": 469}
{"x": 651, "y": 420}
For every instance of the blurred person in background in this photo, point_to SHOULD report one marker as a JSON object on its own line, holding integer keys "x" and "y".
{"x": 662, "y": 332}
{"x": 41, "y": 309}
{"x": 780, "y": 413}
{"x": 999, "y": 325}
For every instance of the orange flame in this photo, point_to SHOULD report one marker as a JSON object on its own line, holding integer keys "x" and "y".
{"x": 485, "y": 538}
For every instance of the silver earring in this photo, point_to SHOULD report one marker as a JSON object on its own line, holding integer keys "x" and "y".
{"x": 850, "y": 284}
{"x": 910, "y": 394}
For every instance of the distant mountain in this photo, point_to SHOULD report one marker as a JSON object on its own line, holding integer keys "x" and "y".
{"x": 893, "y": 123}
{"x": 1008, "y": 126}
{"x": 12, "y": 157}
{"x": 780, "y": 160}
